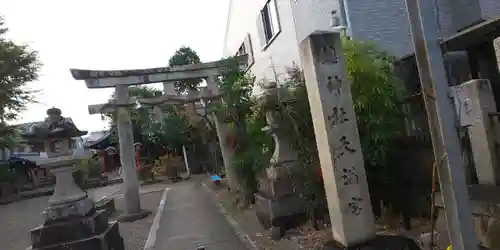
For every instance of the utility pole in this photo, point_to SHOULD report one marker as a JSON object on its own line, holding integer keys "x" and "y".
{"x": 442, "y": 124}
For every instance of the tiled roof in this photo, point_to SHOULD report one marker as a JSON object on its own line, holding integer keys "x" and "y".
{"x": 95, "y": 136}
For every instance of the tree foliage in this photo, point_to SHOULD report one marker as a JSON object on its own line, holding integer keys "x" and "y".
{"x": 238, "y": 109}
{"x": 183, "y": 56}
{"x": 377, "y": 93}
{"x": 168, "y": 134}
{"x": 19, "y": 65}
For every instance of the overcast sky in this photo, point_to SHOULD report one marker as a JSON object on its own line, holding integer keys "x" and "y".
{"x": 107, "y": 34}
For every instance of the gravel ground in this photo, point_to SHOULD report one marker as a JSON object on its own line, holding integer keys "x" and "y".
{"x": 136, "y": 233}
{"x": 18, "y": 218}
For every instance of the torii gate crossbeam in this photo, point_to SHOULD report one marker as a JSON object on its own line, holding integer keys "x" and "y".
{"x": 120, "y": 80}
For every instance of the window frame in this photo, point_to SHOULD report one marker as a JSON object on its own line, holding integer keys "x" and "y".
{"x": 268, "y": 24}
{"x": 247, "y": 48}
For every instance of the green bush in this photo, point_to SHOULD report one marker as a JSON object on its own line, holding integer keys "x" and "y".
{"x": 5, "y": 175}
{"x": 93, "y": 168}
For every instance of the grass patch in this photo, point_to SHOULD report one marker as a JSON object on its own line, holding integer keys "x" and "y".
{"x": 231, "y": 207}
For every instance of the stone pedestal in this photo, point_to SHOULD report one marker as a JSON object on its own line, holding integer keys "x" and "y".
{"x": 71, "y": 220}
{"x": 278, "y": 205}
{"x": 92, "y": 230}
{"x": 279, "y": 213}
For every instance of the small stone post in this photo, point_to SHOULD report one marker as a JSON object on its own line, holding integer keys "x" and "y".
{"x": 222, "y": 132}
{"x": 336, "y": 131}
{"x": 127, "y": 152}
{"x": 474, "y": 100}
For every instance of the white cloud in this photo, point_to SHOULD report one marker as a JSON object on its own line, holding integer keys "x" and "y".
{"x": 109, "y": 34}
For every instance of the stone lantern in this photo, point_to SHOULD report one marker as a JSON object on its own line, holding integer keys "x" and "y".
{"x": 277, "y": 202}
{"x": 71, "y": 220}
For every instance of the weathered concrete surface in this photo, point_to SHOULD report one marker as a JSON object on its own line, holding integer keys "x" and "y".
{"x": 192, "y": 219}
{"x": 19, "y": 217}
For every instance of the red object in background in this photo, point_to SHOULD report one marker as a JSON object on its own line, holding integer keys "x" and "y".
{"x": 138, "y": 166}
{"x": 102, "y": 161}
{"x": 231, "y": 141}
{"x": 319, "y": 174}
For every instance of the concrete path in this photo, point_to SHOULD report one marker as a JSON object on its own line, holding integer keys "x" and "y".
{"x": 191, "y": 219}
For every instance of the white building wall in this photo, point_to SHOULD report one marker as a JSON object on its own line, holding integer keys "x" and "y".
{"x": 385, "y": 22}
{"x": 314, "y": 15}
{"x": 281, "y": 52}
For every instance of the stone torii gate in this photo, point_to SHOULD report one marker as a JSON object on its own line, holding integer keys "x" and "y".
{"x": 122, "y": 79}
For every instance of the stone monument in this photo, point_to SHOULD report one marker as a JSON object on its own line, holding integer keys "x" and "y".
{"x": 71, "y": 220}
{"x": 277, "y": 201}
{"x": 339, "y": 147}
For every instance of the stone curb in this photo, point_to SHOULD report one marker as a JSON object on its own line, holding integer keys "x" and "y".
{"x": 127, "y": 218}
{"x": 103, "y": 183}
{"x": 49, "y": 192}
{"x": 247, "y": 241}
{"x": 151, "y": 240}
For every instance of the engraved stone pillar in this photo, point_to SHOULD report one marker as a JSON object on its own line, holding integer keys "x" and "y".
{"x": 336, "y": 131}
{"x": 277, "y": 202}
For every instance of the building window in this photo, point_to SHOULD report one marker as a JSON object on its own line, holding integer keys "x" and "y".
{"x": 246, "y": 49}
{"x": 241, "y": 50}
{"x": 270, "y": 21}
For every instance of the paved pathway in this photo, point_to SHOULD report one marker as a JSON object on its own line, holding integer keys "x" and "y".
{"x": 18, "y": 218}
{"x": 191, "y": 219}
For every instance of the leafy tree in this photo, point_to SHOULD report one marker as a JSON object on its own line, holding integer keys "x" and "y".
{"x": 377, "y": 93}
{"x": 138, "y": 116}
{"x": 183, "y": 56}
{"x": 237, "y": 109}
{"x": 18, "y": 66}
{"x": 168, "y": 134}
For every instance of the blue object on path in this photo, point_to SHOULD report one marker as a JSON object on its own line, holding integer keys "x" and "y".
{"x": 215, "y": 179}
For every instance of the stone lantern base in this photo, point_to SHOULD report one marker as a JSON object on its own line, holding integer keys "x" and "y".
{"x": 278, "y": 205}
{"x": 72, "y": 222}
{"x": 90, "y": 232}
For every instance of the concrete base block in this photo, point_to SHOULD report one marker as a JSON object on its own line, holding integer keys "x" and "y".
{"x": 279, "y": 214}
{"x": 107, "y": 240}
{"x": 69, "y": 230}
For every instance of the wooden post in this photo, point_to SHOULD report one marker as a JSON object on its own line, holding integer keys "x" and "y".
{"x": 442, "y": 124}
{"x": 336, "y": 131}
{"x": 127, "y": 152}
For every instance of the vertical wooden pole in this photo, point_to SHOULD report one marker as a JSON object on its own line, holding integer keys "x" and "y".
{"x": 442, "y": 124}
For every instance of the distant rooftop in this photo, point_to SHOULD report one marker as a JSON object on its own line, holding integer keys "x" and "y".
{"x": 95, "y": 136}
